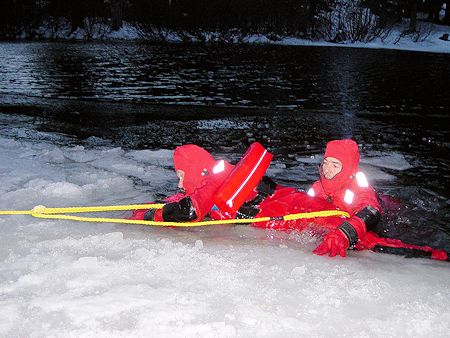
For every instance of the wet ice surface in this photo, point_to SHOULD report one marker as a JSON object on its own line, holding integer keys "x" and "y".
{"x": 59, "y": 278}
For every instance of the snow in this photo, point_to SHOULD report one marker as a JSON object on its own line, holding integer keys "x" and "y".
{"x": 61, "y": 278}
{"x": 428, "y": 40}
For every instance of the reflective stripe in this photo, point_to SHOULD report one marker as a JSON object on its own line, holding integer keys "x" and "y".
{"x": 348, "y": 197}
{"x": 230, "y": 201}
{"x": 311, "y": 192}
{"x": 219, "y": 167}
{"x": 361, "y": 179}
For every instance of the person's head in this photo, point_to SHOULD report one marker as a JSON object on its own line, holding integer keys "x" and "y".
{"x": 331, "y": 166}
{"x": 340, "y": 163}
{"x": 192, "y": 164}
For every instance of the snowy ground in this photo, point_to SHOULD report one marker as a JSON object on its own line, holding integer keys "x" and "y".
{"x": 429, "y": 41}
{"x": 59, "y": 278}
{"x": 426, "y": 40}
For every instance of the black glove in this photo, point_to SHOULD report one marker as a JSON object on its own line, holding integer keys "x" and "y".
{"x": 149, "y": 215}
{"x": 181, "y": 211}
{"x": 266, "y": 187}
{"x": 247, "y": 210}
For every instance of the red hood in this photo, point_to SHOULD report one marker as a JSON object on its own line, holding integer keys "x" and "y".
{"x": 193, "y": 160}
{"x": 197, "y": 165}
{"x": 347, "y": 152}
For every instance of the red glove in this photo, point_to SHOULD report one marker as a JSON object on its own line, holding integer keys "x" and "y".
{"x": 334, "y": 243}
{"x": 440, "y": 255}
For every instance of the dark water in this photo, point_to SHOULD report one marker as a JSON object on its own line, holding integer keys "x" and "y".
{"x": 292, "y": 99}
{"x": 336, "y": 79}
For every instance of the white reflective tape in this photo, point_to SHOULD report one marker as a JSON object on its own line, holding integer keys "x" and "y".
{"x": 361, "y": 179}
{"x": 219, "y": 167}
{"x": 348, "y": 197}
{"x": 311, "y": 192}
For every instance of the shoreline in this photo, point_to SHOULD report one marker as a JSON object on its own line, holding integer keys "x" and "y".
{"x": 429, "y": 35}
{"x": 410, "y": 47}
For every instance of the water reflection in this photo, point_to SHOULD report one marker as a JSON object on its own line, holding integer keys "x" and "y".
{"x": 336, "y": 79}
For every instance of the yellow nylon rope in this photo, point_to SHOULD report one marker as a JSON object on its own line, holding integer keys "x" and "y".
{"x": 41, "y": 211}
{"x": 46, "y": 210}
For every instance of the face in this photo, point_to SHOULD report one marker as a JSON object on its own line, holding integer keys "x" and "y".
{"x": 331, "y": 167}
{"x": 180, "y": 174}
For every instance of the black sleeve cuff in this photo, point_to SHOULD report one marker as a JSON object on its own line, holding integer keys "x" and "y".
{"x": 370, "y": 216}
{"x": 149, "y": 215}
{"x": 349, "y": 232}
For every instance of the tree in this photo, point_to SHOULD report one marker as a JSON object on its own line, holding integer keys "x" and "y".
{"x": 433, "y": 8}
{"x": 447, "y": 13}
{"x": 413, "y": 7}
{"x": 116, "y": 14}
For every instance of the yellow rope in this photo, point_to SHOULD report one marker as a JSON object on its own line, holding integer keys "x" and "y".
{"x": 41, "y": 211}
{"x": 46, "y": 210}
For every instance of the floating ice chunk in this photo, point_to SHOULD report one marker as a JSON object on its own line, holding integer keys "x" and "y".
{"x": 395, "y": 161}
{"x": 128, "y": 168}
{"x": 222, "y": 124}
{"x": 157, "y": 157}
{"x": 80, "y": 155}
{"x": 53, "y": 156}
{"x": 63, "y": 189}
{"x": 376, "y": 174}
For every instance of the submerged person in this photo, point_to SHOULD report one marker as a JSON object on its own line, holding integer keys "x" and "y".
{"x": 200, "y": 175}
{"x": 342, "y": 186}
{"x": 346, "y": 188}
{"x": 202, "y": 181}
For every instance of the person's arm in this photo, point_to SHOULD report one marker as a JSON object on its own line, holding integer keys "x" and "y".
{"x": 178, "y": 208}
{"x": 265, "y": 188}
{"x": 365, "y": 214}
{"x": 191, "y": 208}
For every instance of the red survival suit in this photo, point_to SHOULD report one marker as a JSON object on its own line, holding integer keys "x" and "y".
{"x": 205, "y": 176}
{"x": 350, "y": 191}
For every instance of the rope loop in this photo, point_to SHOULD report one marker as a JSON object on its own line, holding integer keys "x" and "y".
{"x": 41, "y": 211}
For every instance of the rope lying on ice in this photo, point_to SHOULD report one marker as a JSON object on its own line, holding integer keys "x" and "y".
{"x": 41, "y": 211}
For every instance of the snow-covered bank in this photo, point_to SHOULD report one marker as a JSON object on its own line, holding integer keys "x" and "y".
{"x": 59, "y": 278}
{"x": 395, "y": 41}
{"x": 428, "y": 40}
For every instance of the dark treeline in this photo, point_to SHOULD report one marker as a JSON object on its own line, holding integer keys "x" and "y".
{"x": 215, "y": 20}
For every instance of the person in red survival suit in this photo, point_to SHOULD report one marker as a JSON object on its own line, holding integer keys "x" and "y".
{"x": 344, "y": 185}
{"x": 206, "y": 183}
{"x": 202, "y": 178}
{"x": 200, "y": 175}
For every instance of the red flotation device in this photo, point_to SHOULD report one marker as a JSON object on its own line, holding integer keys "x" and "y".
{"x": 243, "y": 179}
